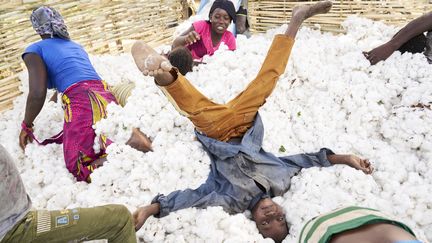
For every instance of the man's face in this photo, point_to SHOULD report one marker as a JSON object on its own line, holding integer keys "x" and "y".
{"x": 270, "y": 219}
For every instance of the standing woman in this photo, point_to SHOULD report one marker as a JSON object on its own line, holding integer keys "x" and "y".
{"x": 204, "y": 37}
{"x": 58, "y": 63}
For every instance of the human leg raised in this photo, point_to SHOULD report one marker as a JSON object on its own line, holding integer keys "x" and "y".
{"x": 180, "y": 92}
{"x": 223, "y": 122}
{"x": 247, "y": 103}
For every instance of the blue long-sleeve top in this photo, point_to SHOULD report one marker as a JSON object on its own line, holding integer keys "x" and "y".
{"x": 241, "y": 174}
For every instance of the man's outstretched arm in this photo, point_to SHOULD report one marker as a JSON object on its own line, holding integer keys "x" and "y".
{"x": 412, "y": 29}
{"x": 325, "y": 157}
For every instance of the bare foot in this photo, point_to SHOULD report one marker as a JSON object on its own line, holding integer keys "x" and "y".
{"x": 99, "y": 162}
{"x": 380, "y": 53}
{"x": 360, "y": 164}
{"x": 148, "y": 61}
{"x": 304, "y": 12}
{"x": 143, "y": 213}
{"x": 139, "y": 141}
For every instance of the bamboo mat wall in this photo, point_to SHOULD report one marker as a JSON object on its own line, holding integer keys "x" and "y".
{"x": 98, "y": 25}
{"x": 267, "y": 14}
{"x": 102, "y": 25}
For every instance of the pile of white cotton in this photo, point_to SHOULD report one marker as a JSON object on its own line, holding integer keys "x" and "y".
{"x": 329, "y": 96}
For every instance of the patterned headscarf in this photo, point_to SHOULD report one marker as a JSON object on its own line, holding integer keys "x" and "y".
{"x": 47, "y": 20}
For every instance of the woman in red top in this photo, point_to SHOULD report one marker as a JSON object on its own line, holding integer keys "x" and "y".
{"x": 204, "y": 37}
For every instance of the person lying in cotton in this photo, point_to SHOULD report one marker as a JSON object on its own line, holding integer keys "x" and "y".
{"x": 20, "y": 223}
{"x": 242, "y": 175}
{"x": 356, "y": 225}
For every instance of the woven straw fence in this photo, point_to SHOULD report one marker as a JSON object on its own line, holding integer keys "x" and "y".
{"x": 267, "y": 14}
{"x": 101, "y": 26}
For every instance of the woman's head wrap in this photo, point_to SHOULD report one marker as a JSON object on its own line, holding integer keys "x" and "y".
{"x": 47, "y": 20}
{"x": 226, "y": 5}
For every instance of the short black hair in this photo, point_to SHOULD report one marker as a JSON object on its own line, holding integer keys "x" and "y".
{"x": 417, "y": 44}
{"x": 181, "y": 58}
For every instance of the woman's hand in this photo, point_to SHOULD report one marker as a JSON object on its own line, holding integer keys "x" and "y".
{"x": 191, "y": 37}
{"x": 24, "y": 138}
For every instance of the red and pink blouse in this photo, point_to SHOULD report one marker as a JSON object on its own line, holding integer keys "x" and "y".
{"x": 205, "y": 45}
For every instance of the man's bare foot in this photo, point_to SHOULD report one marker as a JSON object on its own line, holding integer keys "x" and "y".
{"x": 304, "y": 12}
{"x": 148, "y": 61}
{"x": 380, "y": 53}
{"x": 139, "y": 141}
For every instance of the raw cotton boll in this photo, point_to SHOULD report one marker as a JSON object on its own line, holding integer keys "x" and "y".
{"x": 180, "y": 121}
{"x": 354, "y": 61}
{"x": 415, "y": 141}
{"x": 423, "y": 217}
{"x": 175, "y": 238}
{"x": 49, "y": 191}
{"x": 238, "y": 225}
{"x": 403, "y": 201}
{"x": 59, "y": 200}
{"x": 426, "y": 145}
{"x": 329, "y": 96}
{"x": 272, "y": 32}
{"x": 207, "y": 225}
{"x": 101, "y": 178}
{"x": 38, "y": 201}
{"x": 222, "y": 48}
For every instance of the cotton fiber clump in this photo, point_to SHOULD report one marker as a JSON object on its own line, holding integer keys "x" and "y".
{"x": 329, "y": 96}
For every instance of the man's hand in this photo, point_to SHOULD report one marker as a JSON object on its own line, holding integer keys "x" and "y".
{"x": 143, "y": 213}
{"x": 360, "y": 164}
{"x": 353, "y": 161}
{"x": 24, "y": 138}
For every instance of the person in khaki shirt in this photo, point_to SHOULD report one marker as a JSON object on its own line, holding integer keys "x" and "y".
{"x": 19, "y": 223}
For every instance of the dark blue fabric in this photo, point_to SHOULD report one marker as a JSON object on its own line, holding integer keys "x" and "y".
{"x": 234, "y": 170}
{"x": 66, "y": 62}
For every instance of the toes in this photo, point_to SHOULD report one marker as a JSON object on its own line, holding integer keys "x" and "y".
{"x": 365, "y": 54}
{"x": 367, "y": 166}
{"x": 366, "y": 162}
{"x": 166, "y": 66}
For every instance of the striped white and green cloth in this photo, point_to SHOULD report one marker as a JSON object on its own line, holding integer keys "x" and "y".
{"x": 320, "y": 229}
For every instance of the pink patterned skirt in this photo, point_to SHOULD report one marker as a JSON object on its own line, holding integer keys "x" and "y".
{"x": 84, "y": 104}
